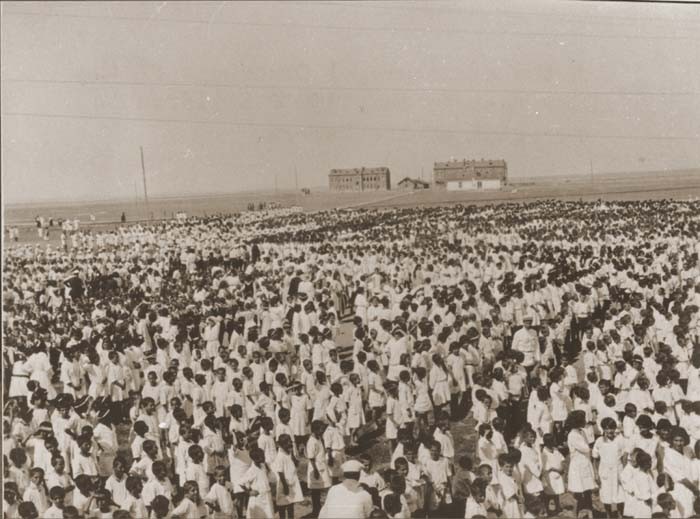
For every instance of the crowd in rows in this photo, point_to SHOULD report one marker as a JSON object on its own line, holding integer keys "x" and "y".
{"x": 457, "y": 361}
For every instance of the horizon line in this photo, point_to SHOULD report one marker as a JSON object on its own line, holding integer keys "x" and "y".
{"x": 273, "y": 191}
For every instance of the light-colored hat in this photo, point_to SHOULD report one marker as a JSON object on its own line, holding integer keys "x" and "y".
{"x": 351, "y": 466}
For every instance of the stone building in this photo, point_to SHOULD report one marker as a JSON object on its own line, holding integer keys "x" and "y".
{"x": 359, "y": 179}
{"x": 470, "y": 175}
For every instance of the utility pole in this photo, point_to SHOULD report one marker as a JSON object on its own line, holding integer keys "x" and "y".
{"x": 592, "y": 182}
{"x": 296, "y": 178}
{"x": 143, "y": 173}
{"x": 275, "y": 182}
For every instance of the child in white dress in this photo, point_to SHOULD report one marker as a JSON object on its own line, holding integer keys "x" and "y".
{"x": 256, "y": 482}
{"x": 552, "y": 473}
{"x": 437, "y": 468}
{"x": 609, "y": 451}
{"x": 219, "y": 497}
{"x": 512, "y": 495}
{"x": 318, "y": 475}
{"x": 288, "y": 485}
{"x": 189, "y": 507}
{"x": 476, "y": 501}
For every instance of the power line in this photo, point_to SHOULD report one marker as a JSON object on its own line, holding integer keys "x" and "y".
{"x": 606, "y": 20}
{"x": 348, "y": 128}
{"x": 412, "y": 30}
{"x": 437, "y": 90}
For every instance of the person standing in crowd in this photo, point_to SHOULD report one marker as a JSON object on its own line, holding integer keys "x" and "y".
{"x": 347, "y": 500}
{"x": 567, "y": 338}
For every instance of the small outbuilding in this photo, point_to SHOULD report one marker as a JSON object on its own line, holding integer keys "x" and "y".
{"x": 412, "y": 184}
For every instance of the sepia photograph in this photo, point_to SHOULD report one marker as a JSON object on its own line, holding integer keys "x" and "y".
{"x": 350, "y": 259}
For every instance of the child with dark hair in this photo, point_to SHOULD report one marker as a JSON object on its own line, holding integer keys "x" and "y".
{"x": 482, "y": 409}
{"x": 283, "y": 427}
{"x": 160, "y": 507}
{"x": 443, "y": 436}
{"x": 256, "y": 482}
{"x": 116, "y": 482}
{"x": 27, "y": 510}
{"x": 608, "y": 453}
{"x": 533, "y": 507}
{"x": 510, "y": 490}
{"x": 195, "y": 469}
{"x": 140, "y": 430}
{"x": 18, "y": 470}
{"x": 239, "y": 462}
{"x": 461, "y": 482}
{"x": 423, "y": 403}
{"x": 288, "y": 485}
{"x": 83, "y": 497}
{"x": 84, "y": 462}
{"x": 265, "y": 441}
{"x": 552, "y": 473}
{"x": 415, "y": 481}
{"x": 37, "y": 444}
{"x": 334, "y": 441}
{"x": 57, "y": 496}
{"x": 213, "y": 444}
{"x": 219, "y": 499}
{"x": 678, "y": 466}
{"x": 144, "y": 465}
{"x": 391, "y": 504}
{"x": 10, "y": 497}
{"x": 438, "y": 472}
{"x": 475, "y": 504}
{"x": 191, "y": 502}
{"x": 581, "y": 478}
{"x": 369, "y": 476}
{"x": 641, "y": 487}
{"x": 58, "y": 476}
{"x": 105, "y": 504}
{"x": 158, "y": 485}
{"x": 134, "y": 503}
{"x": 36, "y": 490}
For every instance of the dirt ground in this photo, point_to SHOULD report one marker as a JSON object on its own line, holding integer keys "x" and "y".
{"x": 678, "y": 185}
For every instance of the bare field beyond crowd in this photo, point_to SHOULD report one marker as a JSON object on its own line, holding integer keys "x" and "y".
{"x": 674, "y": 184}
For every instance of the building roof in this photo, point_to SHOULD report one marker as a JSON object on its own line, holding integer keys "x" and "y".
{"x": 459, "y": 170}
{"x": 414, "y": 181}
{"x": 357, "y": 171}
{"x": 476, "y": 163}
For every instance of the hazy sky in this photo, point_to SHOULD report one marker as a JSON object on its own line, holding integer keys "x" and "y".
{"x": 229, "y": 96}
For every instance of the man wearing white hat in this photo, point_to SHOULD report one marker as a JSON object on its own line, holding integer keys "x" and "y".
{"x": 525, "y": 341}
{"x": 347, "y": 500}
{"x": 396, "y": 347}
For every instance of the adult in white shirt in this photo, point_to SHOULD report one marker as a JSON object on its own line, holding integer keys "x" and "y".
{"x": 347, "y": 500}
{"x": 525, "y": 341}
{"x": 396, "y": 347}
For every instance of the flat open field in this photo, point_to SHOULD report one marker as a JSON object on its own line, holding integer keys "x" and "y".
{"x": 159, "y": 208}
{"x": 675, "y": 184}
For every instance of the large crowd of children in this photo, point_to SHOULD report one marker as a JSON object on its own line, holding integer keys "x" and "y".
{"x": 229, "y": 367}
